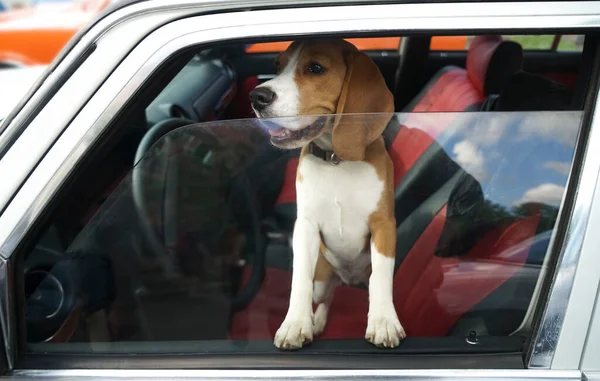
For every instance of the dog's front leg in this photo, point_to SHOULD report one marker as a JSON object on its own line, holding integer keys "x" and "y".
{"x": 297, "y": 327}
{"x": 383, "y": 328}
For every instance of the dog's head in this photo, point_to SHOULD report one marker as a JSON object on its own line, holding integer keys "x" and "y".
{"x": 316, "y": 79}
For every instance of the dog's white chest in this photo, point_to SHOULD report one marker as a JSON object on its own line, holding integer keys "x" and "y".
{"x": 339, "y": 199}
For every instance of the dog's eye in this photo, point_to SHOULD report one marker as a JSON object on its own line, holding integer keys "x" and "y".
{"x": 315, "y": 68}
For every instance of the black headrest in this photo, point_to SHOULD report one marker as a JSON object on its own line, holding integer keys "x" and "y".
{"x": 506, "y": 60}
{"x": 529, "y": 92}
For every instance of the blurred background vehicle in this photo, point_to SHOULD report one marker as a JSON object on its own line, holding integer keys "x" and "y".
{"x": 32, "y": 32}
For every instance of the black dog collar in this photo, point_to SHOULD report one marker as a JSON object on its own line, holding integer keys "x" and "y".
{"x": 328, "y": 156}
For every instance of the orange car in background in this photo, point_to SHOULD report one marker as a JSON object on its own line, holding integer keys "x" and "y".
{"x": 35, "y": 35}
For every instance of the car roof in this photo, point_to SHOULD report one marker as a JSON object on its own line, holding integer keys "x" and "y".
{"x": 19, "y": 80}
{"x": 247, "y": 5}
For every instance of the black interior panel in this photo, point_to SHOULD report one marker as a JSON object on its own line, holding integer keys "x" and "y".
{"x": 196, "y": 92}
{"x": 450, "y": 352}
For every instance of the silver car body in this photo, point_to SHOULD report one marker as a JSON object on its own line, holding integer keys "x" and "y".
{"x": 81, "y": 92}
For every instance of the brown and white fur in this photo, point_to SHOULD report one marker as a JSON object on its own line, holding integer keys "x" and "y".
{"x": 345, "y": 229}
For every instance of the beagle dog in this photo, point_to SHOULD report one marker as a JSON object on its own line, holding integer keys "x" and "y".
{"x": 345, "y": 230}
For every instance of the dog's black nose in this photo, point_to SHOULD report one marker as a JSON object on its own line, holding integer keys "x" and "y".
{"x": 261, "y": 97}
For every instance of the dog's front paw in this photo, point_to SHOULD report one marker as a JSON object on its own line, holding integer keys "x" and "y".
{"x": 294, "y": 333}
{"x": 385, "y": 330}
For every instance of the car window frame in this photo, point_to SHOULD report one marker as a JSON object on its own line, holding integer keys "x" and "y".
{"x": 92, "y": 120}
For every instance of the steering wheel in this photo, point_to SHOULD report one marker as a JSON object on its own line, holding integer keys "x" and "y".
{"x": 62, "y": 289}
{"x": 157, "y": 243}
{"x": 52, "y": 303}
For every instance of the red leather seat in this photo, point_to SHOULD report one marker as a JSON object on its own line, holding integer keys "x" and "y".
{"x": 430, "y": 293}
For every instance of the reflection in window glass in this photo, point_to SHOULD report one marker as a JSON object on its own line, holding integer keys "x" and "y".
{"x": 194, "y": 244}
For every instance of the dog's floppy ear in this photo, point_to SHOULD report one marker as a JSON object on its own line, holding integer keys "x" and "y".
{"x": 364, "y": 91}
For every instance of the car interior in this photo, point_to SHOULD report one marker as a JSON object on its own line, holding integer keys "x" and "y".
{"x": 138, "y": 249}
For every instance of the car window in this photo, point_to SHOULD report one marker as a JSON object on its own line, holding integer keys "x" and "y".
{"x": 194, "y": 243}
{"x": 176, "y": 235}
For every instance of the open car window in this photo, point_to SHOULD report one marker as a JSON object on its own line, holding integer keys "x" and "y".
{"x": 370, "y": 44}
{"x": 191, "y": 248}
{"x": 551, "y": 42}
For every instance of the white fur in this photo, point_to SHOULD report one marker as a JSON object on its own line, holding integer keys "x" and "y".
{"x": 336, "y": 201}
{"x": 297, "y": 328}
{"x": 287, "y": 101}
{"x": 383, "y": 327}
{"x": 339, "y": 199}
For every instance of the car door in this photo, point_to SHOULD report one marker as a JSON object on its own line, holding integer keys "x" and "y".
{"x": 103, "y": 277}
